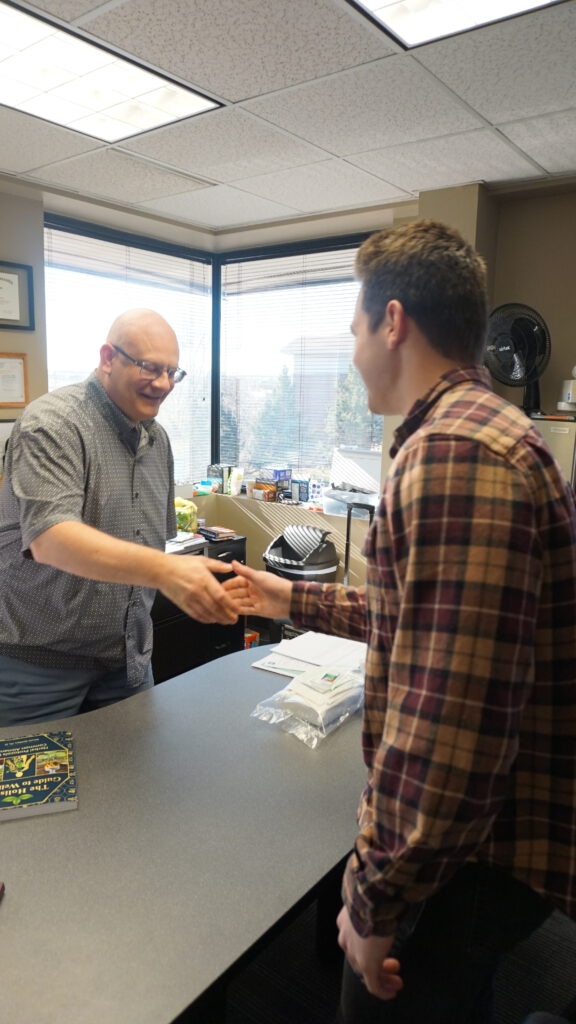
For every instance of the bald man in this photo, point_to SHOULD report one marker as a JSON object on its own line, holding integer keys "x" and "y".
{"x": 86, "y": 507}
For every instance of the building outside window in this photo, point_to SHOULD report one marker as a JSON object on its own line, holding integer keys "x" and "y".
{"x": 290, "y": 394}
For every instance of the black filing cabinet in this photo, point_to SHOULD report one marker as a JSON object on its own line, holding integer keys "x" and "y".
{"x": 182, "y": 643}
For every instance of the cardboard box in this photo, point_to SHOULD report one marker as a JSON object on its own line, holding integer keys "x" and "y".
{"x": 281, "y": 477}
{"x": 299, "y": 490}
{"x": 265, "y": 491}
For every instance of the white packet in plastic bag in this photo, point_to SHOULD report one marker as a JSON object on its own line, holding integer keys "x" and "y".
{"x": 314, "y": 703}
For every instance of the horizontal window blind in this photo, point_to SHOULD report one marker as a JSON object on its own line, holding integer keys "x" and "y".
{"x": 290, "y": 395}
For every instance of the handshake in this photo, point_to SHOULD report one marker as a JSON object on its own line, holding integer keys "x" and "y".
{"x": 254, "y": 592}
{"x": 193, "y": 584}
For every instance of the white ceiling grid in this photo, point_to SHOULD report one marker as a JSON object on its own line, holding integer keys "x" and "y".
{"x": 321, "y": 112}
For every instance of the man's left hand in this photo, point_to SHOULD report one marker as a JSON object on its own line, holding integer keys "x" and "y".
{"x": 369, "y": 958}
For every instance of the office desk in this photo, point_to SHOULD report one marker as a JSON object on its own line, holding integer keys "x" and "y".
{"x": 198, "y": 829}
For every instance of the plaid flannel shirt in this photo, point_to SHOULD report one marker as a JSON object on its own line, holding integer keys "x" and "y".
{"x": 470, "y": 617}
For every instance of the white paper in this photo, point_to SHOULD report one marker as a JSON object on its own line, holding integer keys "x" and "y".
{"x": 12, "y": 389}
{"x": 183, "y": 542}
{"x": 9, "y": 296}
{"x": 281, "y": 665}
{"x": 322, "y": 649}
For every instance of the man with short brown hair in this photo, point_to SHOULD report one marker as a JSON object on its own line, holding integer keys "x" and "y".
{"x": 467, "y": 824}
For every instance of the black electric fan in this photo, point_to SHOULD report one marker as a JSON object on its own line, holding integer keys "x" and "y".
{"x": 517, "y": 350}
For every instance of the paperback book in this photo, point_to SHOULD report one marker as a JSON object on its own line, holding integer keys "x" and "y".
{"x": 216, "y": 532}
{"x": 37, "y": 775}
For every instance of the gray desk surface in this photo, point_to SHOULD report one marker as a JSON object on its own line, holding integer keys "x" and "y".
{"x": 198, "y": 828}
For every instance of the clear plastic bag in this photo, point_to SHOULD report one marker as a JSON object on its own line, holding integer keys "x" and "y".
{"x": 304, "y": 716}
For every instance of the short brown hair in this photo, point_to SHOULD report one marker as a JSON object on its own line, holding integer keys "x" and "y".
{"x": 439, "y": 279}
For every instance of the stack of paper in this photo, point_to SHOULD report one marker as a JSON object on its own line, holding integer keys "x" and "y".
{"x": 296, "y": 656}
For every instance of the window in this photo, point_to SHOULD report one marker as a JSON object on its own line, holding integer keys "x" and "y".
{"x": 287, "y": 394}
{"x": 90, "y": 281}
{"x": 290, "y": 394}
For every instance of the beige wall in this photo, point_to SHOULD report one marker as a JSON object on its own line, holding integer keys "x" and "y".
{"x": 472, "y": 211}
{"x": 535, "y": 265}
{"x": 22, "y": 241}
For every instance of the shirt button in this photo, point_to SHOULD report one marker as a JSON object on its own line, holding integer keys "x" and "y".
{"x": 137, "y": 532}
{"x": 136, "y": 495}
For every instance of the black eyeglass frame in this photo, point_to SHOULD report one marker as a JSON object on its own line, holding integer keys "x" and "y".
{"x": 153, "y": 370}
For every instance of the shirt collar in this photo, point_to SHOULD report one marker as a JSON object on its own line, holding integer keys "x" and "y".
{"x": 129, "y": 432}
{"x": 423, "y": 406}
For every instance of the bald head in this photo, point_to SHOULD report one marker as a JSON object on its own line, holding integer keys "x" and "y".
{"x": 138, "y": 335}
{"x": 136, "y": 324}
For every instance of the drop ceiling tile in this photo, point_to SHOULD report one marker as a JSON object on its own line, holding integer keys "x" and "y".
{"x": 30, "y": 142}
{"x": 223, "y": 145}
{"x": 550, "y": 139}
{"x": 240, "y": 48}
{"x": 451, "y": 160}
{"x": 516, "y": 69}
{"x": 332, "y": 185}
{"x": 115, "y": 176}
{"x": 220, "y": 207}
{"x": 388, "y": 102}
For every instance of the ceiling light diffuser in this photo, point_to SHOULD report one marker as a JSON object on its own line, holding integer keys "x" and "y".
{"x": 415, "y": 22}
{"x": 55, "y": 75}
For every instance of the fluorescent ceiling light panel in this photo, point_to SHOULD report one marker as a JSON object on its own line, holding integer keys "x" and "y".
{"x": 59, "y": 77}
{"x": 415, "y": 22}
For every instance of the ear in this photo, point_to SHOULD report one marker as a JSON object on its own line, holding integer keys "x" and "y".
{"x": 395, "y": 324}
{"x": 107, "y": 354}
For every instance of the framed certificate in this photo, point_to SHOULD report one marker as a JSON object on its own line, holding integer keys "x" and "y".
{"x": 13, "y": 380}
{"x": 16, "y": 297}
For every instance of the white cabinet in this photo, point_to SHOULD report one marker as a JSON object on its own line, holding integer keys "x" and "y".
{"x": 560, "y": 436}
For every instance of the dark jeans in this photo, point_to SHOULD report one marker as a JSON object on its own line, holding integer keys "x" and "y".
{"x": 449, "y": 948}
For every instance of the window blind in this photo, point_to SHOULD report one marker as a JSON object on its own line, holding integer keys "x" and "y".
{"x": 290, "y": 395}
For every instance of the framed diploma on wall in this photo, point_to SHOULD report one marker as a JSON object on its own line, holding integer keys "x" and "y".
{"x": 16, "y": 297}
{"x": 13, "y": 380}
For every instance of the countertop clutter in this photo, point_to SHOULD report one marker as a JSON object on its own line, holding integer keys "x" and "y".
{"x": 267, "y": 484}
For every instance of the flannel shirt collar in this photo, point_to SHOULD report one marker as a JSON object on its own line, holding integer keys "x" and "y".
{"x": 423, "y": 406}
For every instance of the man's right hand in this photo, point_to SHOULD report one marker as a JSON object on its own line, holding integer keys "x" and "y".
{"x": 259, "y": 593}
{"x": 187, "y": 580}
{"x": 190, "y": 584}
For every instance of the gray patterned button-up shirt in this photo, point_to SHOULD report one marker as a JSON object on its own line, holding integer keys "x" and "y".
{"x": 74, "y": 455}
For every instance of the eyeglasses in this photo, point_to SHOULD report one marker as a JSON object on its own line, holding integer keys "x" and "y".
{"x": 151, "y": 371}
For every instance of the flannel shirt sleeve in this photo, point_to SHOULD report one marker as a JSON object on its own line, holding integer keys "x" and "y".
{"x": 330, "y": 608}
{"x": 459, "y": 537}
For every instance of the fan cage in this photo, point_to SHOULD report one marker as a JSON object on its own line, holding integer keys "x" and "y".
{"x": 518, "y": 346}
